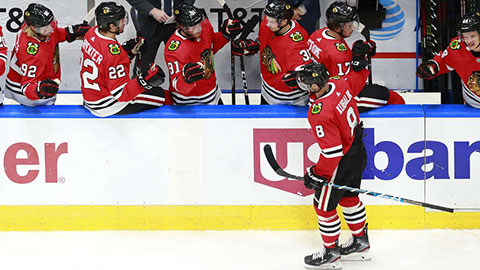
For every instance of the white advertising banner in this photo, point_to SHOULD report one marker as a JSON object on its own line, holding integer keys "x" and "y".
{"x": 199, "y": 160}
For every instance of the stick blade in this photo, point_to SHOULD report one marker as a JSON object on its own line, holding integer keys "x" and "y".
{"x": 267, "y": 149}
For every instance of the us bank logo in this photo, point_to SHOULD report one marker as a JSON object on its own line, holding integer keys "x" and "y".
{"x": 393, "y": 23}
{"x": 296, "y": 150}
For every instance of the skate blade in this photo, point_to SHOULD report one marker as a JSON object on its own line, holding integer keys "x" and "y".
{"x": 364, "y": 256}
{"x": 328, "y": 266}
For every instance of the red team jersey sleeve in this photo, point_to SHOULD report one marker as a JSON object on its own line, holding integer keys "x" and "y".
{"x": 3, "y": 52}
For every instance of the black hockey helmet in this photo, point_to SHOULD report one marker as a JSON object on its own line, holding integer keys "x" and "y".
{"x": 313, "y": 73}
{"x": 470, "y": 23}
{"x": 37, "y": 15}
{"x": 107, "y": 13}
{"x": 338, "y": 13}
{"x": 279, "y": 10}
{"x": 188, "y": 15}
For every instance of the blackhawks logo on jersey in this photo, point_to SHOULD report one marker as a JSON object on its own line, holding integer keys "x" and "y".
{"x": 455, "y": 44}
{"x": 114, "y": 49}
{"x": 32, "y": 48}
{"x": 268, "y": 60}
{"x": 173, "y": 46}
{"x": 207, "y": 61}
{"x": 473, "y": 82}
{"x": 317, "y": 108}
{"x": 341, "y": 47}
{"x": 297, "y": 36}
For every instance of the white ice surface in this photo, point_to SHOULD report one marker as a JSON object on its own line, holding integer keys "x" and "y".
{"x": 118, "y": 250}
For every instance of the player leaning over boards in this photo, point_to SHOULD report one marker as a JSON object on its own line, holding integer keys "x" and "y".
{"x": 328, "y": 46}
{"x": 106, "y": 86}
{"x": 336, "y": 126}
{"x": 34, "y": 74}
{"x": 463, "y": 56}
{"x": 189, "y": 56}
{"x": 3, "y": 58}
{"x": 283, "y": 49}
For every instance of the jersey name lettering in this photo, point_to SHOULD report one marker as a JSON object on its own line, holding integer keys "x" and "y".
{"x": 94, "y": 54}
{"x": 342, "y": 105}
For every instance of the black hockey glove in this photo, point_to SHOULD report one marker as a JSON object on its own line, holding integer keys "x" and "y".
{"x": 427, "y": 70}
{"x": 290, "y": 79}
{"x": 75, "y": 31}
{"x": 132, "y": 46}
{"x": 46, "y": 89}
{"x": 247, "y": 46}
{"x": 231, "y": 28}
{"x": 193, "y": 72}
{"x": 312, "y": 180}
{"x": 360, "y": 50}
{"x": 153, "y": 77}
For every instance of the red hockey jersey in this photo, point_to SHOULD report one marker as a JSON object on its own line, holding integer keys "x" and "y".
{"x": 459, "y": 58}
{"x": 278, "y": 55}
{"x": 333, "y": 118}
{"x": 106, "y": 84}
{"x": 32, "y": 61}
{"x": 3, "y": 52}
{"x": 334, "y": 54}
{"x": 179, "y": 51}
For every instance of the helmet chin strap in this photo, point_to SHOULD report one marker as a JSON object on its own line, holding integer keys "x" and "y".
{"x": 277, "y": 33}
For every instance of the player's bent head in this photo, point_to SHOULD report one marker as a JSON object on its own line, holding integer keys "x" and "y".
{"x": 339, "y": 13}
{"x": 39, "y": 19}
{"x": 111, "y": 15}
{"x": 313, "y": 77}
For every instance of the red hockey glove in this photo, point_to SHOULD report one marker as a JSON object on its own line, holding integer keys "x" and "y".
{"x": 132, "y": 46}
{"x": 427, "y": 70}
{"x": 153, "y": 77}
{"x": 193, "y": 72}
{"x": 231, "y": 28}
{"x": 360, "y": 50}
{"x": 46, "y": 89}
{"x": 312, "y": 180}
{"x": 290, "y": 79}
{"x": 75, "y": 31}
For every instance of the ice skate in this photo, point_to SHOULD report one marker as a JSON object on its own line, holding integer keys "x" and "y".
{"x": 328, "y": 258}
{"x": 356, "y": 248}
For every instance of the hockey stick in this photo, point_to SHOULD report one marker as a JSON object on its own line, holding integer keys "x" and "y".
{"x": 273, "y": 163}
{"x": 245, "y": 32}
{"x": 365, "y": 32}
{"x": 232, "y": 56}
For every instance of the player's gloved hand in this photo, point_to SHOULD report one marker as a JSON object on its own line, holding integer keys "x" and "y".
{"x": 247, "y": 46}
{"x": 360, "y": 51}
{"x": 77, "y": 30}
{"x": 373, "y": 48}
{"x": 290, "y": 79}
{"x": 132, "y": 46}
{"x": 47, "y": 88}
{"x": 231, "y": 28}
{"x": 427, "y": 70}
{"x": 152, "y": 77}
{"x": 312, "y": 180}
{"x": 193, "y": 72}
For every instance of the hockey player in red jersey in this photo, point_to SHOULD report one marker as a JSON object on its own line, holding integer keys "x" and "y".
{"x": 189, "y": 56}
{"x": 34, "y": 75}
{"x": 336, "y": 126}
{"x": 3, "y": 58}
{"x": 328, "y": 46}
{"x": 463, "y": 56}
{"x": 106, "y": 86}
{"x": 283, "y": 49}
